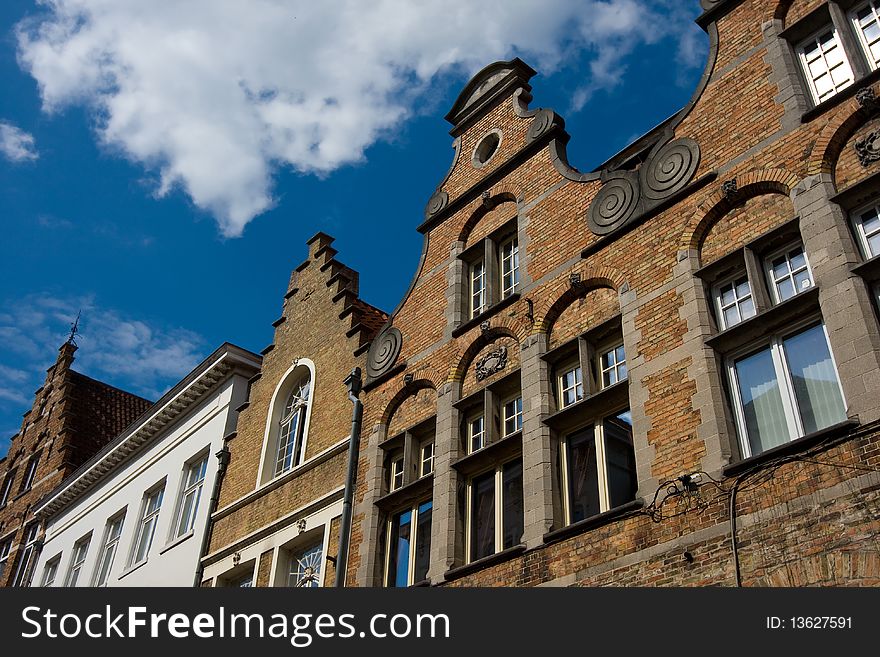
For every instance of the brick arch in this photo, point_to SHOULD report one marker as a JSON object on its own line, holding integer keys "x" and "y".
{"x": 482, "y": 209}
{"x": 749, "y": 185}
{"x": 405, "y": 391}
{"x": 466, "y": 357}
{"x": 781, "y": 10}
{"x": 831, "y": 141}
{"x": 559, "y": 294}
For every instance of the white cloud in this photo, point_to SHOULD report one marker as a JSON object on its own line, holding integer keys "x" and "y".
{"x": 16, "y": 145}
{"x": 215, "y": 95}
{"x": 134, "y": 354}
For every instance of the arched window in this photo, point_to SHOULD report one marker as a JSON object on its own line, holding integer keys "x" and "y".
{"x": 287, "y": 425}
{"x": 291, "y": 429}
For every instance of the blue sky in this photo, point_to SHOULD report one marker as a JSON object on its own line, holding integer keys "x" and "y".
{"x": 163, "y": 163}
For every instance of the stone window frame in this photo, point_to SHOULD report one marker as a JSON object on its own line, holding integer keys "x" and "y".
{"x": 488, "y": 253}
{"x": 772, "y": 282}
{"x": 839, "y": 16}
{"x": 415, "y": 509}
{"x": 857, "y": 225}
{"x": 30, "y": 473}
{"x": 295, "y": 374}
{"x": 6, "y": 490}
{"x": 78, "y": 557}
{"x": 405, "y": 447}
{"x": 488, "y": 402}
{"x": 719, "y": 306}
{"x": 497, "y": 469}
{"x": 50, "y": 571}
{"x": 774, "y": 342}
{"x": 109, "y": 542}
{"x": 596, "y": 422}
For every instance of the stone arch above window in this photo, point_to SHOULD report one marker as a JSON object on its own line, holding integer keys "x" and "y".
{"x": 287, "y": 424}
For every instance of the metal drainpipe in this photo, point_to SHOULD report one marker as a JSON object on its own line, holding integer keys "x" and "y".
{"x": 223, "y": 457}
{"x": 353, "y": 381}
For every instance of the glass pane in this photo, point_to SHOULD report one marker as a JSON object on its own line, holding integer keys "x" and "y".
{"x": 874, "y": 245}
{"x": 512, "y": 498}
{"x": 609, "y": 378}
{"x": 802, "y": 280}
{"x": 305, "y": 567}
{"x": 761, "y": 402}
{"x": 871, "y": 222}
{"x": 423, "y": 543}
{"x": 785, "y": 289}
{"x": 583, "y": 478}
{"x": 621, "y": 372}
{"x": 398, "y": 565}
{"x": 731, "y": 316}
{"x": 747, "y": 308}
{"x": 742, "y": 288}
{"x": 814, "y": 379}
{"x": 620, "y": 459}
{"x": 483, "y": 516}
{"x": 186, "y": 511}
{"x": 727, "y": 296}
{"x": 797, "y": 259}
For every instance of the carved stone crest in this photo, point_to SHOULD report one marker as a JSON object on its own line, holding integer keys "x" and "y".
{"x": 728, "y": 188}
{"x": 868, "y": 148}
{"x": 866, "y": 99}
{"x": 574, "y": 280}
{"x": 301, "y": 525}
{"x": 484, "y": 325}
{"x": 408, "y": 378}
{"x": 494, "y": 361}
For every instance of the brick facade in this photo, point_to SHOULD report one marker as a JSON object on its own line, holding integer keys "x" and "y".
{"x": 72, "y": 417}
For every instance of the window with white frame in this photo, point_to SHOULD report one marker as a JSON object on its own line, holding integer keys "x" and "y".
{"x": 867, "y": 227}
{"x": 112, "y": 532}
{"x": 188, "y": 505}
{"x": 150, "y": 507}
{"x": 476, "y": 436}
{"x": 426, "y": 460}
{"x": 396, "y": 473}
{"x": 788, "y": 273}
{"x": 785, "y": 389}
{"x": 30, "y": 473}
{"x": 477, "y": 288}
{"x": 571, "y": 384}
{"x": 246, "y": 581}
{"x": 512, "y": 412}
{"x": 598, "y": 467}
{"x": 509, "y": 267}
{"x": 305, "y": 565}
{"x": 495, "y": 510}
{"x": 5, "y": 548}
{"x": 825, "y": 65}
{"x": 866, "y": 20}
{"x": 612, "y": 363}
{"x": 50, "y": 572}
{"x": 28, "y": 557}
{"x": 291, "y": 431}
{"x": 8, "y": 480}
{"x": 408, "y": 551}
{"x": 734, "y": 302}
{"x": 80, "y": 551}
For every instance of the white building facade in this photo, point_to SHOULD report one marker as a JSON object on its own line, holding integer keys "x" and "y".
{"x": 137, "y": 513}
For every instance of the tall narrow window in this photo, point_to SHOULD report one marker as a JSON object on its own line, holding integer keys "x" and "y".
{"x": 786, "y": 390}
{"x": 495, "y": 511}
{"x": 188, "y": 505}
{"x": 426, "y": 466}
{"x": 476, "y": 434}
{"x": 305, "y": 566}
{"x": 789, "y": 273}
{"x": 51, "y": 571}
{"x": 396, "y": 474}
{"x": 112, "y": 532}
{"x": 80, "y": 550}
{"x": 29, "y": 474}
{"x": 825, "y": 65}
{"x": 27, "y": 559}
{"x": 409, "y": 546}
{"x": 5, "y": 547}
{"x": 512, "y": 420}
{"x": 613, "y": 364}
{"x": 150, "y": 507}
{"x": 291, "y": 430}
{"x": 509, "y": 267}
{"x": 867, "y": 224}
{"x": 478, "y": 288}
{"x": 7, "y": 487}
{"x": 867, "y": 23}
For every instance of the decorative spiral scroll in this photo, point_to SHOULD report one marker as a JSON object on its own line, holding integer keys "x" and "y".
{"x": 613, "y": 205}
{"x": 670, "y": 168}
{"x": 383, "y": 352}
{"x": 436, "y": 203}
{"x": 542, "y": 122}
